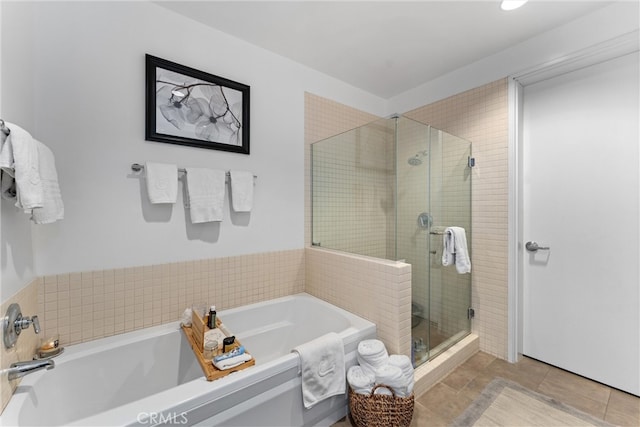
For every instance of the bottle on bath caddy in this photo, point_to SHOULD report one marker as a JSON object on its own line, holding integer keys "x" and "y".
{"x": 212, "y": 317}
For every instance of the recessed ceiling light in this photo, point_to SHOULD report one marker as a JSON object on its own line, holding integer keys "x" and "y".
{"x": 512, "y": 4}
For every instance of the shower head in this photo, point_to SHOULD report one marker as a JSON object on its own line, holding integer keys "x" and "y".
{"x": 417, "y": 159}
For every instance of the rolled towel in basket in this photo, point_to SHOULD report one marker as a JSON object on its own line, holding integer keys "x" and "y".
{"x": 371, "y": 355}
{"x": 360, "y": 381}
{"x": 391, "y": 376}
{"x": 404, "y": 362}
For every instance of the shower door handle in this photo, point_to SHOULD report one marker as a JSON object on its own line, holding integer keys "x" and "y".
{"x": 534, "y": 247}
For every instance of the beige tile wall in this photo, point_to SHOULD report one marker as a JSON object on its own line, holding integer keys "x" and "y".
{"x": 376, "y": 289}
{"x": 94, "y": 304}
{"x": 481, "y": 116}
{"x": 27, "y": 341}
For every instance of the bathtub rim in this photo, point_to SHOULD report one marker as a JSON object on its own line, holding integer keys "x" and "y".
{"x": 192, "y": 394}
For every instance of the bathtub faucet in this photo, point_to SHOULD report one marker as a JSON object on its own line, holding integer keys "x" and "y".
{"x": 20, "y": 369}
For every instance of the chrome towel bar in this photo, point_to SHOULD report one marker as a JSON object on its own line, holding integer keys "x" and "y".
{"x": 137, "y": 167}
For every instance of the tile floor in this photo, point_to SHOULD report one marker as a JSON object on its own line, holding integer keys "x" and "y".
{"x": 449, "y": 398}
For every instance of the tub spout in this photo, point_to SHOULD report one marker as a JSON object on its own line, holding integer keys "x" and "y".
{"x": 20, "y": 369}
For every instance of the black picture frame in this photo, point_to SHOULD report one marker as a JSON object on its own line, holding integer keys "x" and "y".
{"x": 190, "y": 107}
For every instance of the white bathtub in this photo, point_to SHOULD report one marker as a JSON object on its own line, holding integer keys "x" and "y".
{"x": 151, "y": 377}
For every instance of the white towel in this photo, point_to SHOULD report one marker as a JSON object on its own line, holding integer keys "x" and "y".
{"x": 19, "y": 160}
{"x": 7, "y": 182}
{"x": 371, "y": 355}
{"x": 404, "y": 362}
{"x": 162, "y": 182}
{"x": 391, "y": 376}
{"x": 322, "y": 368}
{"x": 455, "y": 249}
{"x": 360, "y": 381}
{"x": 52, "y": 208}
{"x": 232, "y": 362}
{"x": 241, "y": 190}
{"x": 205, "y": 189}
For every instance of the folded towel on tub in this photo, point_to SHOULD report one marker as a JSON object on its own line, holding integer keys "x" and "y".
{"x": 232, "y": 362}
{"x": 371, "y": 355}
{"x": 322, "y": 368}
{"x": 360, "y": 381}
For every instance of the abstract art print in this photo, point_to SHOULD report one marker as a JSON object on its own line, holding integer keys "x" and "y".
{"x": 190, "y": 107}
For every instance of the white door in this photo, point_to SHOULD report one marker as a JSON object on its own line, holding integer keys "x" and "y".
{"x": 580, "y": 162}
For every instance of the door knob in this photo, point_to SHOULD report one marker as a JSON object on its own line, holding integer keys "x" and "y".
{"x": 534, "y": 247}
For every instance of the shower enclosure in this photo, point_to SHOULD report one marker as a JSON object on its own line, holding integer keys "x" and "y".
{"x": 388, "y": 190}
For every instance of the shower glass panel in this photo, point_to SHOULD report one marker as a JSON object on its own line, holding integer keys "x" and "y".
{"x": 353, "y": 191}
{"x": 388, "y": 190}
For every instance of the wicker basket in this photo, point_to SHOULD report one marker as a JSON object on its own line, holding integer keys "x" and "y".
{"x": 380, "y": 410}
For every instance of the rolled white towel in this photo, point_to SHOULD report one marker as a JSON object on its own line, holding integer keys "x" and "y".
{"x": 404, "y": 362}
{"x": 360, "y": 381}
{"x": 372, "y": 354}
{"x": 391, "y": 376}
{"x": 185, "y": 319}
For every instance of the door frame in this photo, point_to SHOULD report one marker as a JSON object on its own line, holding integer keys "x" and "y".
{"x": 592, "y": 55}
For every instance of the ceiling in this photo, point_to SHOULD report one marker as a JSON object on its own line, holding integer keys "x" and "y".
{"x": 383, "y": 47}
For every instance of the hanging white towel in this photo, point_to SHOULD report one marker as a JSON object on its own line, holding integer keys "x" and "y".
{"x": 162, "y": 182}
{"x": 52, "y": 207}
{"x": 7, "y": 182}
{"x": 19, "y": 161}
{"x": 241, "y": 190}
{"x": 205, "y": 190}
{"x": 322, "y": 368}
{"x": 371, "y": 355}
{"x": 455, "y": 249}
{"x": 360, "y": 381}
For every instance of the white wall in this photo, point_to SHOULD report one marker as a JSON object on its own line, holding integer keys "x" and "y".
{"x": 596, "y": 27}
{"x": 16, "y": 105}
{"x": 85, "y": 99}
{"x": 88, "y": 62}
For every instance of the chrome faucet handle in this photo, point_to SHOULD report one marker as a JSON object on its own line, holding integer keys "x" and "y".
{"x": 13, "y": 323}
{"x": 36, "y": 324}
{"x": 25, "y": 322}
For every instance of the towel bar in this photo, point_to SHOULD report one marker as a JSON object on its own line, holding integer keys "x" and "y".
{"x": 137, "y": 167}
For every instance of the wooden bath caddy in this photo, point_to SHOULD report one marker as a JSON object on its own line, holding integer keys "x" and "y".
{"x": 195, "y": 336}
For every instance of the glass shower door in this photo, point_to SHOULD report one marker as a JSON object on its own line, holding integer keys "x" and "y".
{"x": 414, "y": 220}
{"x": 450, "y": 205}
{"x": 433, "y": 192}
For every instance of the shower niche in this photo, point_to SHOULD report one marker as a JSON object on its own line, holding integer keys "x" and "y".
{"x": 388, "y": 190}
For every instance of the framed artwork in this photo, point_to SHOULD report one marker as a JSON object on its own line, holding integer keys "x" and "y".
{"x": 190, "y": 107}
